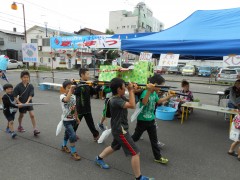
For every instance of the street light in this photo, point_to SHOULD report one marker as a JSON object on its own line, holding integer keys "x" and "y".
{"x": 15, "y": 7}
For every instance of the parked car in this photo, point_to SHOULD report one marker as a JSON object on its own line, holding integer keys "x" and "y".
{"x": 228, "y": 75}
{"x": 174, "y": 70}
{"x": 14, "y": 64}
{"x": 189, "y": 70}
{"x": 160, "y": 70}
{"x": 205, "y": 71}
{"x": 181, "y": 67}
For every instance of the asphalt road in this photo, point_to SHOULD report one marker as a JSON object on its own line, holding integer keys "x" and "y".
{"x": 197, "y": 150}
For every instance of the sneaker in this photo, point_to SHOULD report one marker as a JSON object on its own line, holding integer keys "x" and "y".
{"x": 65, "y": 149}
{"x": 101, "y": 163}
{"x": 96, "y": 138}
{"x": 146, "y": 178}
{"x": 20, "y": 129}
{"x": 162, "y": 160}
{"x": 75, "y": 156}
{"x": 8, "y": 130}
{"x": 101, "y": 127}
{"x": 36, "y": 132}
{"x": 13, "y": 135}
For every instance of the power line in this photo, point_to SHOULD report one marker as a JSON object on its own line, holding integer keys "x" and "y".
{"x": 51, "y": 11}
{"x": 29, "y": 22}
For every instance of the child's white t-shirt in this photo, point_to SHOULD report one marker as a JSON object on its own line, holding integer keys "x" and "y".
{"x": 68, "y": 108}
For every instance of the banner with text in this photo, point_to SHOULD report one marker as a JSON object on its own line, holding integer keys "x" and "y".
{"x": 92, "y": 41}
{"x": 231, "y": 60}
{"x": 144, "y": 56}
{"x": 168, "y": 60}
{"x": 30, "y": 52}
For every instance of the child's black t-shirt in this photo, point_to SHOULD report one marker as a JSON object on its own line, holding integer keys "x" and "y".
{"x": 23, "y": 92}
{"x": 8, "y": 102}
{"x": 83, "y": 102}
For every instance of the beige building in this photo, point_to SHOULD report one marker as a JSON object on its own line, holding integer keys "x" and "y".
{"x": 140, "y": 20}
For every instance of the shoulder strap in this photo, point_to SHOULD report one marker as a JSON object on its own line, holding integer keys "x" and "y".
{"x": 24, "y": 90}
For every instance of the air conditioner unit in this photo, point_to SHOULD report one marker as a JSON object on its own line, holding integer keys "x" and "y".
{"x": 39, "y": 48}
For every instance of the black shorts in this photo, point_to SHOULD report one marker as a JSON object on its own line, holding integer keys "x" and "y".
{"x": 10, "y": 117}
{"x": 126, "y": 142}
{"x": 25, "y": 109}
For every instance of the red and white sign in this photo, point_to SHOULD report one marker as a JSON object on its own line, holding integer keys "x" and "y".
{"x": 231, "y": 60}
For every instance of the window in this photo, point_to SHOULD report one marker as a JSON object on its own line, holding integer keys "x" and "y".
{"x": 142, "y": 24}
{"x": 1, "y": 42}
{"x": 133, "y": 26}
{"x": 34, "y": 41}
{"x": 127, "y": 26}
{"x": 123, "y": 27}
{"x": 49, "y": 60}
{"x": 46, "y": 42}
{"x": 12, "y": 39}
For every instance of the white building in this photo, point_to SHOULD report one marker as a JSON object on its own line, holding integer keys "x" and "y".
{"x": 46, "y": 55}
{"x": 11, "y": 43}
{"x": 140, "y": 20}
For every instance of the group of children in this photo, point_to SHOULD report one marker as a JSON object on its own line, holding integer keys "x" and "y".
{"x": 18, "y": 98}
{"x": 75, "y": 103}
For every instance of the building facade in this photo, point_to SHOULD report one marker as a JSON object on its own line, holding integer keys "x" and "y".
{"x": 47, "y": 56}
{"x": 140, "y": 20}
{"x": 11, "y": 44}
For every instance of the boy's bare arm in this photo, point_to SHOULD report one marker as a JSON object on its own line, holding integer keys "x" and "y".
{"x": 170, "y": 95}
{"x": 29, "y": 99}
{"x": 150, "y": 89}
{"x": 17, "y": 100}
{"x": 131, "y": 104}
{"x": 70, "y": 92}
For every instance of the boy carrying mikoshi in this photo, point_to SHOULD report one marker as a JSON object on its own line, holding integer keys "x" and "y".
{"x": 83, "y": 103}
{"x": 69, "y": 115}
{"x": 146, "y": 118}
{"x": 119, "y": 124}
{"x": 9, "y": 108}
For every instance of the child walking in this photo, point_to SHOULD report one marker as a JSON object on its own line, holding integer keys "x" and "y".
{"x": 146, "y": 118}
{"x": 9, "y": 108}
{"x": 83, "y": 103}
{"x": 23, "y": 94}
{"x": 70, "y": 119}
{"x": 119, "y": 124}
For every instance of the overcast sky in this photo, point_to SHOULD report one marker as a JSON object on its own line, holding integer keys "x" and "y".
{"x": 71, "y": 15}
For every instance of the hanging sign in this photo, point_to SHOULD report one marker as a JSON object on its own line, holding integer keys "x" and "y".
{"x": 30, "y": 52}
{"x": 231, "y": 60}
{"x": 145, "y": 56}
{"x": 169, "y": 60}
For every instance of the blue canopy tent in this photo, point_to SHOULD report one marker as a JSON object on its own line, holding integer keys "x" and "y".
{"x": 204, "y": 33}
